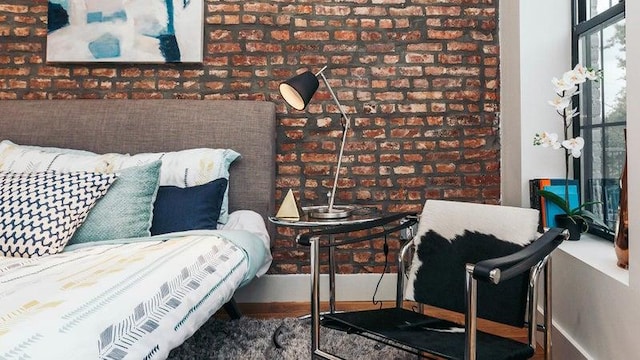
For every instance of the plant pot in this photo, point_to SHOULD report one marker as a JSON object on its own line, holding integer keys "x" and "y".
{"x": 575, "y": 225}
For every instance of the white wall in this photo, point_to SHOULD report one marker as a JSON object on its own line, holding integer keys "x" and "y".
{"x": 594, "y": 314}
{"x": 633, "y": 134}
{"x": 535, "y": 39}
{"x": 510, "y": 107}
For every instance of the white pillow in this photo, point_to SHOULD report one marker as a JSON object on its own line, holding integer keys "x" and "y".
{"x": 184, "y": 168}
{"x": 40, "y": 211}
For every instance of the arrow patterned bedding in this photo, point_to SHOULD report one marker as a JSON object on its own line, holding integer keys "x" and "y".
{"x": 123, "y": 299}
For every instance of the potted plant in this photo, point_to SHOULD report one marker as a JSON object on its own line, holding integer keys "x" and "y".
{"x": 566, "y": 87}
{"x": 573, "y": 219}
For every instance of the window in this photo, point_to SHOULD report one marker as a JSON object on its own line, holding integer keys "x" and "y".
{"x": 599, "y": 43}
{"x": 597, "y": 7}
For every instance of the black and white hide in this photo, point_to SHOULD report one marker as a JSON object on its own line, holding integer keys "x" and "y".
{"x": 452, "y": 234}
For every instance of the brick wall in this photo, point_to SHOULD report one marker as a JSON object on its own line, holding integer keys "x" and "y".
{"x": 419, "y": 76}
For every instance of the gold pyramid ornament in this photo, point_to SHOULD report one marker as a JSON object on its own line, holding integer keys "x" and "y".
{"x": 289, "y": 209}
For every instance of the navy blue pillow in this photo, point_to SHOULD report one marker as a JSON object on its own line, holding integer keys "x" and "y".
{"x": 191, "y": 208}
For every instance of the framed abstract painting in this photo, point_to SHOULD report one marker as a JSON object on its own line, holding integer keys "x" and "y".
{"x": 142, "y": 31}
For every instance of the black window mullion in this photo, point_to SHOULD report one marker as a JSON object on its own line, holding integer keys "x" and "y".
{"x": 576, "y": 8}
{"x": 581, "y": 12}
{"x": 591, "y": 126}
{"x": 586, "y": 124}
{"x": 603, "y": 140}
{"x": 601, "y": 19}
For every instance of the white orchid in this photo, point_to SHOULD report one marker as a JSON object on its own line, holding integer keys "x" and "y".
{"x": 546, "y": 139}
{"x": 574, "y": 146}
{"x": 560, "y": 103}
{"x": 585, "y": 74}
{"x": 576, "y": 76}
{"x": 561, "y": 85}
{"x": 566, "y": 87}
{"x": 592, "y": 75}
{"x": 569, "y": 114}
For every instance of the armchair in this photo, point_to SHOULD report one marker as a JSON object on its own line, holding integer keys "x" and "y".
{"x": 480, "y": 260}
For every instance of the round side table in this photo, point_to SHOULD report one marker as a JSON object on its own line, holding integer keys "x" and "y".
{"x": 359, "y": 215}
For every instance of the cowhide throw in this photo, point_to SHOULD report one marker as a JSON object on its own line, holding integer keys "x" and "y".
{"x": 452, "y": 234}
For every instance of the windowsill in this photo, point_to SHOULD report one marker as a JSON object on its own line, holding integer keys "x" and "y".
{"x": 598, "y": 254}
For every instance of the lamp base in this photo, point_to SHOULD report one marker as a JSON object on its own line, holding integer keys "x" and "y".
{"x": 322, "y": 212}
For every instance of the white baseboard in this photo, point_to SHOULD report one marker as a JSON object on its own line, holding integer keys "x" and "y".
{"x": 563, "y": 345}
{"x": 297, "y": 288}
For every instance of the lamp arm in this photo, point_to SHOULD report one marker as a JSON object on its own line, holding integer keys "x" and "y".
{"x": 345, "y": 129}
{"x": 335, "y": 98}
{"x": 335, "y": 179}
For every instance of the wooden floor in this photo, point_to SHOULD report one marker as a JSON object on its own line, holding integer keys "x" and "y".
{"x": 291, "y": 309}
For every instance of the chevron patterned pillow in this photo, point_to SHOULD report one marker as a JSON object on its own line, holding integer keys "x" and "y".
{"x": 39, "y": 212}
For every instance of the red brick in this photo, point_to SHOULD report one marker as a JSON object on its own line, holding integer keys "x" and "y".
{"x": 477, "y": 35}
{"x": 17, "y": 84}
{"x": 231, "y": 19}
{"x": 412, "y": 182}
{"x": 444, "y": 34}
{"x": 15, "y": 9}
{"x": 370, "y": 36}
{"x": 345, "y": 35}
{"x": 370, "y": 11}
{"x": 405, "y": 36}
{"x": 333, "y": 10}
{"x": 311, "y": 35}
{"x": 406, "y": 11}
{"x": 260, "y": 7}
{"x": 443, "y": 10}
{"x": 65, "y": 84}
{"x": 460, "y": 23}
{"x": 419, "y": 58}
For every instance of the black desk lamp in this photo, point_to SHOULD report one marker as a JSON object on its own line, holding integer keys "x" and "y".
{"x": 297, "y": 92}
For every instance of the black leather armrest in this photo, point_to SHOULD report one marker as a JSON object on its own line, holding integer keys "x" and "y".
{"x": 305, "y": 239}
{"x": 512, "y": 265}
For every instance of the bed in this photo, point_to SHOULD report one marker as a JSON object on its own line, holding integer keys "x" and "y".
{"x": 132, "y": 297}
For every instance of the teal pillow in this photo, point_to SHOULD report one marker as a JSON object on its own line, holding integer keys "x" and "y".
{"x": 126, "y": 210}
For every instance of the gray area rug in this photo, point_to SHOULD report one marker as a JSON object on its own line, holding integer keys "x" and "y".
{"x": 249, "y": 338}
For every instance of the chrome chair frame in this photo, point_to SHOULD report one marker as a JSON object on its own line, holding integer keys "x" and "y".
{"x": 487, "y": 270}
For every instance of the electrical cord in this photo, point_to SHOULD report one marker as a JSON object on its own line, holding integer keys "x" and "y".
{"x": 385, "y": 249}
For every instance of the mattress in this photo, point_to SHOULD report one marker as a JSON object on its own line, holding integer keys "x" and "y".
{"x": 127, "y": 299}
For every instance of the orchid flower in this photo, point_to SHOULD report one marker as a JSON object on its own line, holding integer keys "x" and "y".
{"x": 578, "y": 75}
{"x": 570, "y": 92}
{"x": 592, "y": 75}
{"x": 546, "y": 139}
{"x": 560, "y": 103}
{"x": 569, "y": 114}
{"x": 589, "y": 74}
{"x": 574, "y": 146}
{"x": 561, "y": 85}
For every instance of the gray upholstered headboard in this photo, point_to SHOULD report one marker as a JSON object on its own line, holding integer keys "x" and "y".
{"x": 134, "y": 126}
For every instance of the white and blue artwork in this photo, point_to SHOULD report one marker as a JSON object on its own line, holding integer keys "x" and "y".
{"x": 153, "y": 31}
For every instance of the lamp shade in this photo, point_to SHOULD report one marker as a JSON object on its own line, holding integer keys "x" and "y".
{"x": 299, "y": 90}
